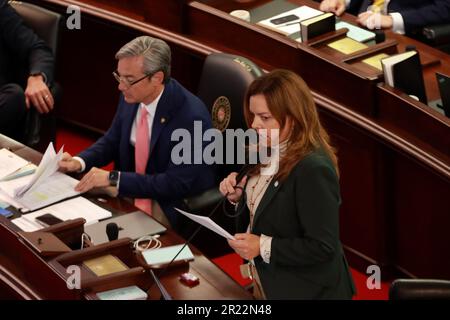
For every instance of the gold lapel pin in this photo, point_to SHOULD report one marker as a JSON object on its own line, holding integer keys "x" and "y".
{"x": 163, "y": 120}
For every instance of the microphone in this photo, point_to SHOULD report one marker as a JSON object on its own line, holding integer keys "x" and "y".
{"x": 112, "y": 231}
{"x": 241, "y": 174}
{"x": 380, "y": 36}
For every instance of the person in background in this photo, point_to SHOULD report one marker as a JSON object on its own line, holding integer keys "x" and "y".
{"x": 152, "y": 106}
{"x": 26, "y": 73}
{"x": 288, "y": 226}
{"x": 402, "y": 16}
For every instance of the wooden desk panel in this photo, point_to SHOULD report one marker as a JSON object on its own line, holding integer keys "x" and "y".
{"x": 10, "y": 144}
{"x": 29, "y": 276}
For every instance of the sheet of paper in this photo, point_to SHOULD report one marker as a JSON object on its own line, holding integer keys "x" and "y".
{"x": 355, "y": 32}
{"x": 47, "y": 167}
{"x": 303, "y": 12}
{"x": 9, "y": 163}
{"x": 375, "y": 61}
{"x": 347, "y": 45}
{"x": 78, "y": 207}
{"x": 208, "y": 223}
{"x": 57, "y": 187}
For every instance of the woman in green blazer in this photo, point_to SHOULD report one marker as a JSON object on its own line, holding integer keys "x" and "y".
{"x": 289, "y": 225}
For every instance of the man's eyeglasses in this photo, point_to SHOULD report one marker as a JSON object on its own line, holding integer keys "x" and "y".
{"x": 128, "y": 83}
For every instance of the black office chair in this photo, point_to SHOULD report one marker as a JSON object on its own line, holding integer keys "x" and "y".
{"x": 41, "y": 129}
{"x": 223, "y": 83}
{"x": 437, "y": 36}
{"x": 419, "y": 289}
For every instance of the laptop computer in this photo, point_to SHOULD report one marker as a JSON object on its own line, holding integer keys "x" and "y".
{"x": 132, "y": 225}
{"x": 444, "y": 89}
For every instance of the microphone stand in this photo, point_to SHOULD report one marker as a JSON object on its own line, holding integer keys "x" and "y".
{"x": 164, "y": 292}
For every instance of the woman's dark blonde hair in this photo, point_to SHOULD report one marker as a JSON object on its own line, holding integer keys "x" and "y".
{"x": 287, "y": 95}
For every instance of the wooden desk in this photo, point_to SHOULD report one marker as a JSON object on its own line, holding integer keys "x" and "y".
{"x": 26, "y": 275}
{"x": 394, "y": 153}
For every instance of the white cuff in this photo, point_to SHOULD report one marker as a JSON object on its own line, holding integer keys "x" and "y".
{"x": 265, "y": 247}
{"x": 81, "y": 161}
{"x": 347, "y": 3}
{"x": 398, "y": 26}
{"x": 118, "y": 182}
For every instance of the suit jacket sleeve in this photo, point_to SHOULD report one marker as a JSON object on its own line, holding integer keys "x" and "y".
{"x": 24, "y": 43}
{"x": 431, "y": 12}
{"x": 178, "y": 179}
{"x": 317, "y": 205}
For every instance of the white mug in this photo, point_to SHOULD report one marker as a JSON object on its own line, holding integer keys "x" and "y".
{"x": 241, "y": 14}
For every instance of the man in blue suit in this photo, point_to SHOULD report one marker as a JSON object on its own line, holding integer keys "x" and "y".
{"x": 152, "y": 106}
{"x": 402, "y": 16}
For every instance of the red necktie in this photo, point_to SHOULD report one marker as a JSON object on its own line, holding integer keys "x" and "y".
{"x": 141, "y": 155}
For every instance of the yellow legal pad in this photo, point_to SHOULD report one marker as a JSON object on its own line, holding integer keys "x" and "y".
{"x": 105, "y": 265}
{"x": 375, "y": 61}
{"x": 347, "y": 45}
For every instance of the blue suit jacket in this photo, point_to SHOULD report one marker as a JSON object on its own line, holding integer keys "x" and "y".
{"x": 21, "y": 51}
{"x": 415, "y": 13}
{"x": 166, "y": 182}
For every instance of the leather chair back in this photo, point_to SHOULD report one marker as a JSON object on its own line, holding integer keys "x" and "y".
{"x": 419, "y": 289}
{"x": 45, "y": 23}
{"x": 41, "y": 129}
{"x": 223, "y": 83}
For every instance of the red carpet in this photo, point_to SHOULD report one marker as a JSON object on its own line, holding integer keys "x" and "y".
{"x": 75, "y": 142}
{"x": 230, "y": 264}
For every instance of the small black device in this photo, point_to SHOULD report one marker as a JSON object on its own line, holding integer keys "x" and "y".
{"x": 48, "y": 220}
{"x": 285, "y": 19}
{"x": 112, "y": 231}
{"x": 113, "y": 178}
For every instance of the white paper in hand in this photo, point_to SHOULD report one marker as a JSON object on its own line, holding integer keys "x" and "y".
{"x": 208, "y": 223}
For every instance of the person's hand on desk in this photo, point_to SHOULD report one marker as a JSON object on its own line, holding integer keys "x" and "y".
{"x": 335, "y": 6}
{"x": 69, "y": 164}
{"x": 228, "y": 186}
{"x": 38, "y": 94}
{"x": 95, "y": 178}
{"x": 372, "y": 20}
{"x": 246, "y": 245}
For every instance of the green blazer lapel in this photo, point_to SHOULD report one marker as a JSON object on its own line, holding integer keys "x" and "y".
{"x": 272, "y": 189}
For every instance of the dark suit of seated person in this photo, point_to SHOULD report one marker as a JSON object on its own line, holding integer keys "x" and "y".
{"x": 26, "y": 71}
{"x": 289, "y": 218}
{"x": 151, "y": 107}
{"x": 402, "y": 16}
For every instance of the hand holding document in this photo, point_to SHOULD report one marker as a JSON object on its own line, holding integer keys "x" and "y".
{"x": 208, "y": 223}
{"x": 44, "y": 187}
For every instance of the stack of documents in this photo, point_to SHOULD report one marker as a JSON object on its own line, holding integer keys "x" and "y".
{"x": 67, "y": 210}
{"x": 10, "y": 164}
{"x": 303, "y": 12}
{"x": 44, "y": 187}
